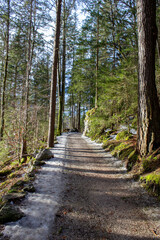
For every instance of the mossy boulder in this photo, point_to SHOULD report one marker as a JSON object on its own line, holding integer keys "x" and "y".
{"x": 44, "y": 155}
{"x": 10, "y": 213}
{"x": 152, "y": 182}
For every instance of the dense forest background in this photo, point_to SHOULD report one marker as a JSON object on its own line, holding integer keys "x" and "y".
{"x": 97, "y": 70}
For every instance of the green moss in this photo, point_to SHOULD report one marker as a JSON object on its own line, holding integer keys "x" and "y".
{"x": 90, "y": 112}
{"x": 125, "y": 152}
{"x": 118, "y": 148}
{"x": 124, "y": 135}
{"x": 110, "y": 145}
{"x": 152, "y": 183}
{"x": 151, "y": 163}
{"x": 132, "y": 159}
{"x": 13, "y": 174}
{"x": 153, "y": 177}
{"x": 14, "y": 163}
{"x": 122, "y": 151}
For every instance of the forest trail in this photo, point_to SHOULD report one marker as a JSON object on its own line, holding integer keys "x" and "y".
{"x": 85, "y": 193}
{"x": 101, "y": 201}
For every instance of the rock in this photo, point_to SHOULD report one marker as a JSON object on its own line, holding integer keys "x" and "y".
{"x": 26, "y": 186}
{"x": 13, "y": 197}
{"x": 44, "y": 154}
{"x": 73, "y": 130}
{"x": 38, "y": 163}
{"x": 10, "y": 213}
{"x": 29, "y": 188}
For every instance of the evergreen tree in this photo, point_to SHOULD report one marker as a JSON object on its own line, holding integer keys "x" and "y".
{"x": 149, "y": 110}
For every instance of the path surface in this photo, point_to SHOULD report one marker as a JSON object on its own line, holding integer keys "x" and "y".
{"x": 84, "y": 193}
{"x": 101, "y": 201}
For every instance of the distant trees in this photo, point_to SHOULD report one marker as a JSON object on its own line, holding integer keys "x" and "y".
{"x": 104, "y": 63}
{"x": 95, "y": 63}
{"x": 24, "y": 88}
{"x": 6, "y": 44}
{"x": 149, "y": 110}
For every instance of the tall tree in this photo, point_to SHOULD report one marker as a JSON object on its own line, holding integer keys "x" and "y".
{"x": 54, "y": 77}
{"x": 5, "y": 70}
{"x": 62, "y": 88}
{"x": 149, "y": 110}
{"x": 28, "y": 71}
{"x": 97, "y": 56}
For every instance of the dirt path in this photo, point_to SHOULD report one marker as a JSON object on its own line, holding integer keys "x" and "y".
{"x": 84, "y": 193}
{"x": 100, "y": 200}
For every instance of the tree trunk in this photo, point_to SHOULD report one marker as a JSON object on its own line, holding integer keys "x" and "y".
{"x": 54, "y": 79}
{"x": 5, "y": 73}
{"x": 149, "y": 110}
{"x": 28, "y": 71}
{"x": 79, "y": 116}
{"x": 64, "y": 57}
{"x": 59, "y": 125}
{"x": 62, "y": 93}
{"x": 97, "y": 59}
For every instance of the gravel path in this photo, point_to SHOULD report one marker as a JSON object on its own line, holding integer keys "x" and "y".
{"x": 101, "y": 201}
{"x": 84, "y": 193}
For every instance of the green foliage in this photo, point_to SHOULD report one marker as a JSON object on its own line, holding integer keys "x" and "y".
{"x": 152, "y": 177}
{"x": 4, "y": 153}
{"x": 132, "y": 159}
{"x": 119, "y": 149}
{"x": 13, "y": 174}
{"x": 124, "y": 135}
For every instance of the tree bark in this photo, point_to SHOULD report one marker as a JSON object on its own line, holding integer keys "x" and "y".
{"x": 54, "y": 78}
{"x": 64, "y": 57}
{"x": 31, "y": 42}
{"x": 97, "y": 59}
{"x": 149, "y": 110}
{"x": 79, "y": 116}
{"x": 5, "y": 73}
{"x": 59, "y": 125}
{"x": 62, "y": 92}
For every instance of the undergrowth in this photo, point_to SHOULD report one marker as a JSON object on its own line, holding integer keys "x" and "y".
{"x": 122, "y": 144}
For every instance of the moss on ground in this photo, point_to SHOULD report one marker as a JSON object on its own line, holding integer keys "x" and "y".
{"x": 124, "y": 147}
{"x": 132, "y": 159}
{"x": 151, "y": 182}
{"x": 151, "y": 163}
{"x": 123, "y": 135}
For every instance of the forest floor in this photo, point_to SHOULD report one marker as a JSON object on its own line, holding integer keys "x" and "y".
{"x": 90, "y": 196}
